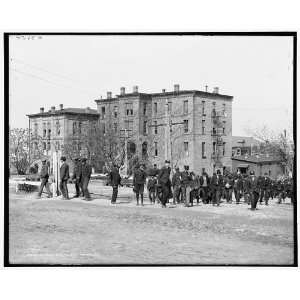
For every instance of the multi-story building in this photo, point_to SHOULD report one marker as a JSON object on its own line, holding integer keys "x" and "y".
{"x": 52, "y": 129}
{"x": 242, "y": 145}
{"x": 190, "y": 127}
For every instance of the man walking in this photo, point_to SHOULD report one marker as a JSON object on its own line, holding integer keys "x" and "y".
{"x": 139, "y": 180}
{"x": 265, "y": 187}
{"x": 115, "y": 181}
{"x": 254, "y": 190}
{"x": 86, "y": 172}
{"x": 164, "y": 182}
{"x": 204, "y": 184}
{"x": 44, "y": 176}
{"x": 238, "y": 187}
{"x": 228, "y": 188}
{"x": 216, "y": 188}
{"x": 176, "y": 183}
{"x": 77, "y": 177}
{"x": 186, "y": 185}
{"x": 64, "y": 177}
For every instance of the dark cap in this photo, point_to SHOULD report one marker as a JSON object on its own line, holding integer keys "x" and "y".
{"x": 186, "y": 167}
{"x": 177, "y": 168}
{"x": 155, "y": 165}
{"x": 218, "y": 172}
{"x": 63, "y": 158}
{"x": 83, "y": 159}
{"x": 167, "y": 161}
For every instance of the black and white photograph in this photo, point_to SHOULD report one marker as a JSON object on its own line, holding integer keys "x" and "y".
{"x": 150, "y": 149}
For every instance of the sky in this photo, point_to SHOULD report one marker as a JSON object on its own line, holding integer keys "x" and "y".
{"x": 75, "y": 70}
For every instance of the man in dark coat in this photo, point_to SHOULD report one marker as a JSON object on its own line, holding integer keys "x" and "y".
{"x": 216, "y": 184}
{"x": 151, "y": 186}
{"x": 44, "y": 176}
{"x": 139, "y": 180}
{"x": 204, "y": 186}
{"x": 77, "y": 177}
{"x": 176, "y": 184}
{"x": 115, "y": 181}
{"x": 64, "y": 177}
{"x": 238, "y": 187}
{"x": 228, "y": 186}
{"x": 264, "y": 189}
{"x": 86, "y": 172}
{"x": 254, "y": 190}
{"x": 186, "y": 182}
{"x": 164, "y": 181}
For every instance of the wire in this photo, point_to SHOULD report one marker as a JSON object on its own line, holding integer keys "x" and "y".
{"x": 48, "y": 81}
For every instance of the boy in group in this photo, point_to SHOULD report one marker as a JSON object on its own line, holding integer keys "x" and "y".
{"x": 152, "y": 186}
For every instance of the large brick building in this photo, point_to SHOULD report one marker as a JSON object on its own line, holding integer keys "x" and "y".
{"x": 201, "y": 126}
{"x": 56, "y": 127}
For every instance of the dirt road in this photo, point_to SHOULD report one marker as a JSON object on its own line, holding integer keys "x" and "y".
{"x": 78, "y": 232}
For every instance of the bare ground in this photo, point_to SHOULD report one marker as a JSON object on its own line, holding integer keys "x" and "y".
{"x": 49, "y": 231}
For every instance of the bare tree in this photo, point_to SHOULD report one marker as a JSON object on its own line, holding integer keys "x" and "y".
{"x": 280, "y": 146}
{"x": 23, "y": 149}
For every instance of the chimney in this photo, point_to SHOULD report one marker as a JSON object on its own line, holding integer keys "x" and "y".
{"x": 122, "y": 91}
{"x": 41, "y": 109}
{"x": 135, "y": 89}
{"x": 52, "y": 108}
{"x": 109, "y": 95}
{"x": 61, "y": 106}
{"x": 206, "y": 88}
{"x": 176, "y": 88}
{"x": 163, "y": 90}
{"x": 216, "y": 90}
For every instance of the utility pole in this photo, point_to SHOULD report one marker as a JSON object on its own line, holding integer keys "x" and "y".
{"x": 126, "y": 136}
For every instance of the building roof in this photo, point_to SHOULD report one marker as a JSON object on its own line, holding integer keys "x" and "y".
{"x": 257, "y": 159}
{"x": 172, "y": 93}
{"x": 244, "y": 141}
{"x": 71, "y": 110}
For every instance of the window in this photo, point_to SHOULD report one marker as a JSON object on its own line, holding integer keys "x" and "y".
{"x": 214, "y": 132}
{"x": 103, "y": 112}
{"x": 155, "y": 108}
{"x": 224, "y": 148}
{"x": 104, "y": 131}
{"x": 44, "y": 130}
{"x": 224, "y": 108}
{"x": 74, "y": 128}
{"x": 79, "y": 127}
{"x": 129, "y": 109}
{"x": 203, "y": 108}
{"x": 186, "y": 126}
{"x": 57, "y": 146}
{"x": 49, "y": 133}
{"x": 115, "y": 127}
{"x": 186, "y": 148}
{"x": 169, "y": 107}
{"x": 224, "y": 126}
{"x": 155, "y": 149}
{"x": 129, "y": 125}
{"x": 185, "y": 107}
{"x": 44, "y": 146}
{"x": 145, "y": 149}
{"x": 48, "y": 146}
{"x": 57, "y": 125}
{"x": 145, "y": 128}
{"x": 35, "y": 128}
{"x": 155, "y": 127}
{"x": 203, "y": 126}
{"x": 214, "y": 148}
{"x": 203, "y": 150}
{"x": 116, "y": 111}
{"x": 203, "y": 170}
{"x": 145, "y": 109}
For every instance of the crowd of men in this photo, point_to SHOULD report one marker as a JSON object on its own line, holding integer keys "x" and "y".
{"x": 81, "y": 177}
{"x": 188, "y": 188}
{"x": 184, "y": 187}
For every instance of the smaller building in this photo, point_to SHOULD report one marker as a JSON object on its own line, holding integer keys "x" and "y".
{"x": 260, "y": 164}
{"x": 242, "y": 145}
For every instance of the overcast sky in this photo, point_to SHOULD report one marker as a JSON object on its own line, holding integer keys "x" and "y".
{"x": 75, "y": 70}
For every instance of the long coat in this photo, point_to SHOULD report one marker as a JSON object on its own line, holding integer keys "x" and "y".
{"x": 64, "y": 172}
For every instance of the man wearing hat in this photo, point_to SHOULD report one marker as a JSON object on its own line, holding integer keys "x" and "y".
{"x": 86, "y": 172}
{"x": 115, "y": 181}
{"x": 77, "y": 177}
{"x": 139, "y": 180}
{"x": 216, "y": 187}
{"x": 44, "y": 176}
{"x": 176, "y": 183}
{"x": 253, "y": 189}
{"x": 64, "y": 177}
{"x": 265, "y": 187}
{"x": 186, "y": 181}
{"x": 165, "y": 182}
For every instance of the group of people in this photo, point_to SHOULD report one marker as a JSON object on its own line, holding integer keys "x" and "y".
{"x": 187, "y": 187}
{"x": 81, "y": 177}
